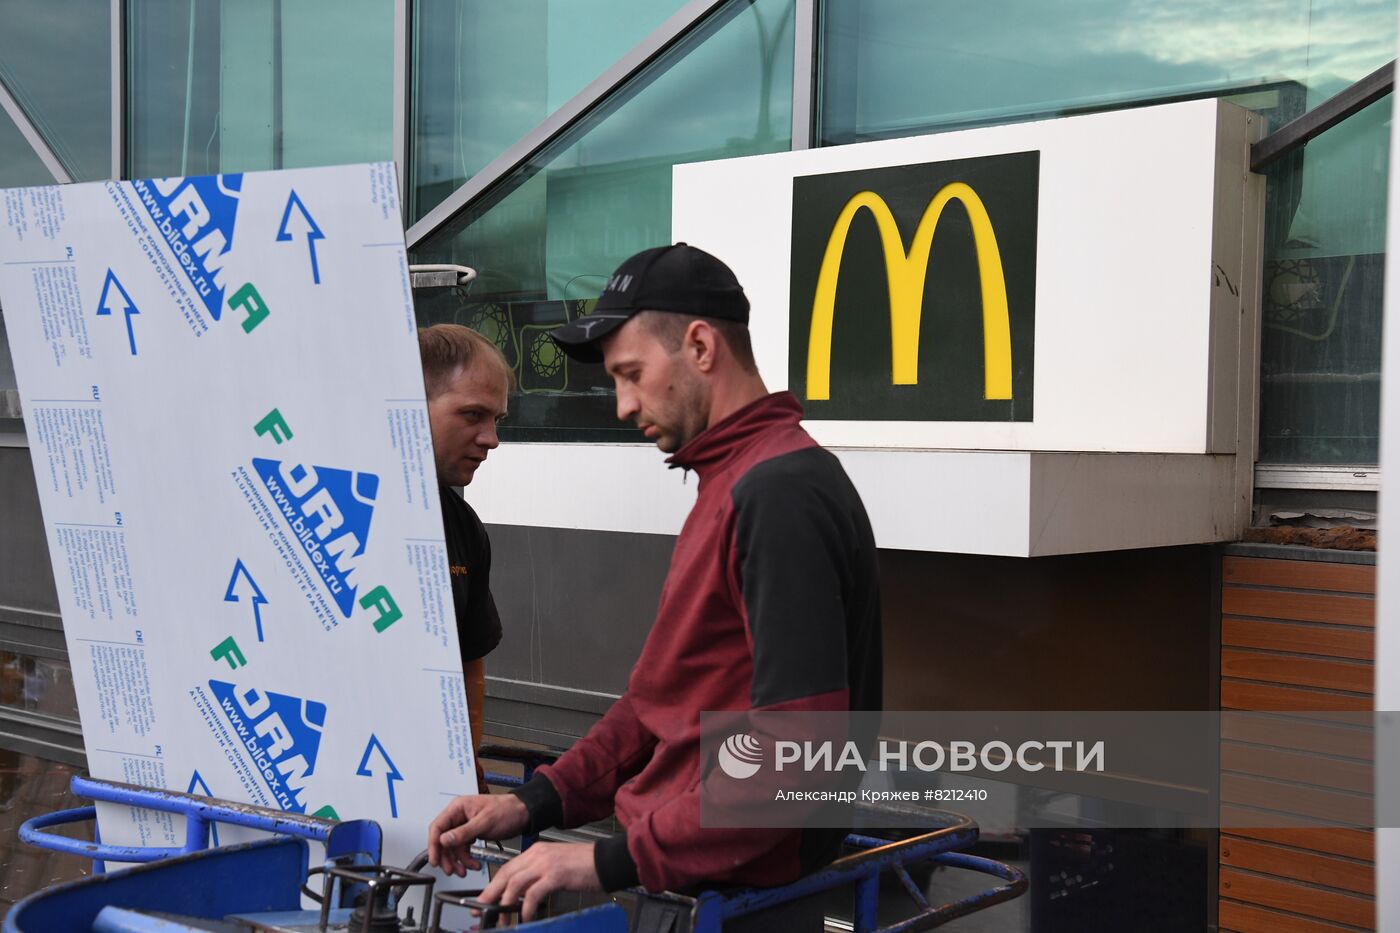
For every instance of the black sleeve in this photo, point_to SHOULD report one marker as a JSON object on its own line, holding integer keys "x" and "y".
{"x": 469, "y": 570}
{"x": 542, "y": 803}
{"x": 795, "y": 538}
{"x": 611, "y": 858}
{"x": 613, "y": 862}
{"x": 481, "y": 609}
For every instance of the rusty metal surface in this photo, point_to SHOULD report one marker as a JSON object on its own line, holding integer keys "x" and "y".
{"x": 176, "y": 802}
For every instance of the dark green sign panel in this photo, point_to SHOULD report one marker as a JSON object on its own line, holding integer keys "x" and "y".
{"x": 913, "y": 291}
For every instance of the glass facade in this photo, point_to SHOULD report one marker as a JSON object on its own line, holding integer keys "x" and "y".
{"x": 901, "y": 67}
{"x": 485, "y": 74}
{"x": 215, "y": 86}
{"x": 548, "y": 236}
{"x": 19, "y": 166}
{"x": 55, "y": 59}
{"x": 235, "y": 85}
{"x": 258, "y": 84}
{"x": 1324, "y": 263}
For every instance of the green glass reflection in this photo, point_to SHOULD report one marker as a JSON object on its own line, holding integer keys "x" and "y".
{"x": 486, "y": 73}
{"x": 19, "y": 166}
{"x": 895, "y": 67}
{"x": 218, "y": 86}
{"x": 548, "y": 237}
{"x": 55, "y": 58}
{"x": 1320, "y": 365}
{"x": 900, "y": 67}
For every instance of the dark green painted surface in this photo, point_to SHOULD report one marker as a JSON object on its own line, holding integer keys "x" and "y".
{"x": 950, "y": 386}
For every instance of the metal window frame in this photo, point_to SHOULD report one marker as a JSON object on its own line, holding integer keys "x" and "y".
{"x": 403, "y": 82}
{"x": 665, "y": 37}
{"x": 1287, "y": 138}
{"x": 118, "y": 89}
{"x": 31, "y": 135}
{"x": 1345, "y": 103}
{"x": 36, "y": 141}
{"x": 804, "y": 74}
{"x": 1347, "y": 477}
{"x": 52, "y": 738}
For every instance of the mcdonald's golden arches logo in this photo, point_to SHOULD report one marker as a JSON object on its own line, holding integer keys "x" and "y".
{"x": 940, "y": 329}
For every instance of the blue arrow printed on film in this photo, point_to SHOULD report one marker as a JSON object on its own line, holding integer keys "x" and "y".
{"x": 119, "y": 302}
{"x": 257, "y": 598}
{"x": 391, "y": 775}
{"x": 291, "y": 227}
{"x": 197, "y": 786}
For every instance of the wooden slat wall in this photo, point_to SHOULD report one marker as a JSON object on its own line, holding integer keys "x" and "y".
{"x": 1297, "y": 636}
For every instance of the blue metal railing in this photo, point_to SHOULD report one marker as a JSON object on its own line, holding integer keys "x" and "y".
{"x": 863, "y": 871}
{"x": 202, "y": 812}
{"x": 707, "y": 912}
{"x": 339, "y": 837}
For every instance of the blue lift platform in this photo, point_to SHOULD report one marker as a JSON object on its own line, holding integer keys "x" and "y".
{"x": 259, "y": 887}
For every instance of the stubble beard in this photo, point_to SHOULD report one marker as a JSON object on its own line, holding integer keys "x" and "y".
{"x": 691, "y": 412}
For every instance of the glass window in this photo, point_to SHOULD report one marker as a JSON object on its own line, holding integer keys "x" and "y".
{"x": 56, "y": 59}
{"x": 1320, "y": 366}
{"x": 229, "y": 87}
{"x": 895, "y": 67}
{"x": 546, "y": 239}
{"x": 486, "y": 73}
{"x": 899, "y": 67}
{"x": 39, "y": 685}
{"x": 30, "y": 787}
{"x": 19, "y": 166}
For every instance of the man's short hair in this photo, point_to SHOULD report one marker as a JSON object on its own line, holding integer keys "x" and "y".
{"x": 670, "y": 327}
{"x": 446, "y": 348}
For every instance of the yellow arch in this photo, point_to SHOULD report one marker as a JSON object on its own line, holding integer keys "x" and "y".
{"x": 906, "y": 273}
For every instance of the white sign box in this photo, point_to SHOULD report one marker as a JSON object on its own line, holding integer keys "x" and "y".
{"x": 225, "y": 411}
{"x": 1144, "y": 272}
{"x": 1137, "y": 272}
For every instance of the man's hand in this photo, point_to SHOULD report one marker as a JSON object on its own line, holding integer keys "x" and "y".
{"x": 539, "y": 871}
{"x": 467, "y": 819}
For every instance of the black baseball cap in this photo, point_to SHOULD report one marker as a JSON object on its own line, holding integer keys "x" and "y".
{"x": 677, "y": 278}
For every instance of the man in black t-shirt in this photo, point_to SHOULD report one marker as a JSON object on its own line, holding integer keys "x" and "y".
{"x": 467, "y": 381}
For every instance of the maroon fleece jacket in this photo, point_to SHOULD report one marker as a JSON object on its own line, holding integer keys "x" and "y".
{"x": 771, "y": 603}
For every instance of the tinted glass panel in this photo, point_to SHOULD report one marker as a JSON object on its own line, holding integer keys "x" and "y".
{"x": 895, "y": 67}
{"x": 900, "y": 67}
{"x": 56, "y": 59}
{"x": 19, "y": 166}
{"x": 547, "y": 238}
{"x": 1320, "y": 367}
{"x": 219, "y": 86}
{"x": 486, "y": 73}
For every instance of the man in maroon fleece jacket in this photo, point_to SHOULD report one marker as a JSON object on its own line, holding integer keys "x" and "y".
{"x": 771, "y": 603}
